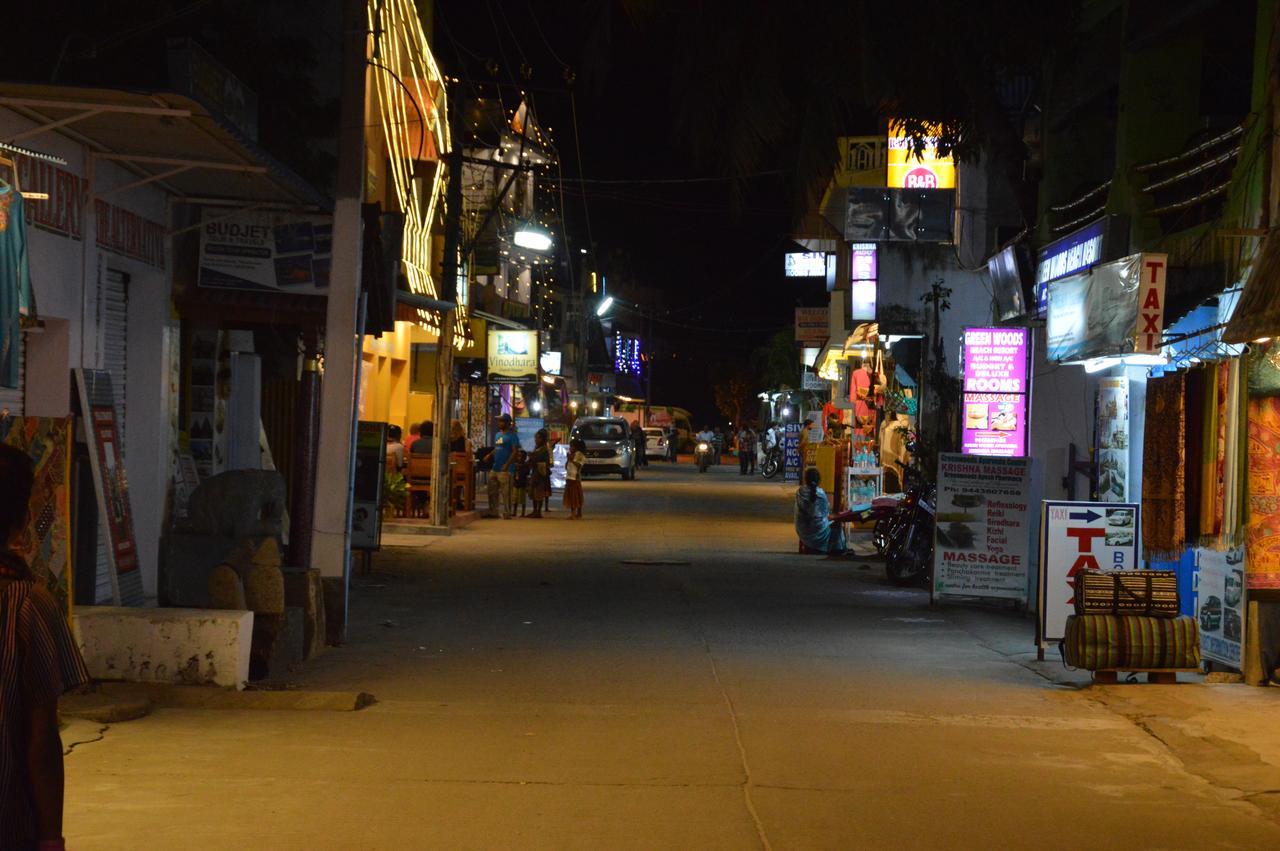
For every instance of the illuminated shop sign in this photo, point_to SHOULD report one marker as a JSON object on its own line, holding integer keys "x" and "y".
{"x": 862, "y": 283}
{"x": 806, "y": 264}
{"x": 995, "y": 391}
{"x": 513, "y": 355}
{"x": 930, "y": 170}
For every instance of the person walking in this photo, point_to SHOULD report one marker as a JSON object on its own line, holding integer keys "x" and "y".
{"x": 573, "y": 497}
{"x": 673, "y": 444}
{"x": 38, "y": 663}
{"x": 746, "y": 450}
{"x": 638, "y": 443}
{"x": 505, "y": 444}
{"x": 540, "y": 471}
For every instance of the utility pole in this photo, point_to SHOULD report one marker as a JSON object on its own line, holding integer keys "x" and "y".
{"x": 441, "y": 480}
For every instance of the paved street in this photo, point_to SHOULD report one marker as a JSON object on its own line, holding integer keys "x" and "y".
{"x": 667, "y": 673}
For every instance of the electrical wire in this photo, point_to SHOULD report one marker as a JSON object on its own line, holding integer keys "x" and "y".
{"x": 678, "y": 180}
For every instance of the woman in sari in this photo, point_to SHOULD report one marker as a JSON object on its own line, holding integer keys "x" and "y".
{"x": 813, "y": 517}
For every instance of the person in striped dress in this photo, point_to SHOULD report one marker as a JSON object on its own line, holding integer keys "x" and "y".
{"x": 39, "y": 661}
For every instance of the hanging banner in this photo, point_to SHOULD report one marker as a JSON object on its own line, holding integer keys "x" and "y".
{"x": 995, "y": 391}
{"x": 1220, "y": 604}
{"x": 267, "y": 252}
{"x": 1076, "y": 536}
{"x": 45, "y": 543}
{"x": 1114, "y": 309}
{"x": 982, "y": 534}
{"x": 97, "y": 406}
{"x": 1113, "y": 439}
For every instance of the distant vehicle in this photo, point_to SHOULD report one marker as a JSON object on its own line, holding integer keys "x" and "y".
{"x": 609, "y": 447}
{"x": 660, "y": 416}
{"x": 702, "y": 454}
{"x": 655, "y": 443}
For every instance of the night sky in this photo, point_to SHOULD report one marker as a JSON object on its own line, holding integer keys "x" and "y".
{"x": 660, "y": 215}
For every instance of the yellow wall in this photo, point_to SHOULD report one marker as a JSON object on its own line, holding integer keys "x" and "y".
{"x": 384, "y": 377}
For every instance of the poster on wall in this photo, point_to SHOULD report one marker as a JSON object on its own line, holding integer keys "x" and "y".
{"x": 45, "y": 543}
{"x": 995, "y": 391}
{"x": 1220, "y": 604}
{"x": 791, "y": 452}
{"x": 366, "y": 494}
{"x": 1076, "y": 536}
{"x": 1114, "y": 309}
{"x": 97, "y": 406}
{"x": 1113, "y": 439}
{"x": 982, "y": 534}
{"x": 267, "y": 252}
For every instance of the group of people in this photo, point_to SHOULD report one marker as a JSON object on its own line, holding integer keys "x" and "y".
{"x": 420, "y": 443}
{"x": 518, "y": 478}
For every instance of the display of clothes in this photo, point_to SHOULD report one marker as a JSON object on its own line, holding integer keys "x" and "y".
{"x": 15, "y": 281}
{"x": 1163, "y": 500}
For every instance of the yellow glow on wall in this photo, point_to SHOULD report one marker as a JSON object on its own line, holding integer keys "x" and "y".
{"x": 412, "y": 109}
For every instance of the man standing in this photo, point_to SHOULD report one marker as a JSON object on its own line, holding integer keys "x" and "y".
{"x": 746, "y": 450}
{"x": 638, "y": 441}
{"x": 503, "y": 456}
{"x": 38, "y": 663}
{"x": 673, "y": 443}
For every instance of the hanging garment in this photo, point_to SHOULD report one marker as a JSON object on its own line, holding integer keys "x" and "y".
{"x": 1163, "y": 498}
{"x": 1262, "y": 534}
{"x": 1207, "y": 463}
{"x": 1221, "y": 451}
{"x": 15, "y": 282}
{"x": 1235, "y": 454}
{"x": 1193, "y": 449}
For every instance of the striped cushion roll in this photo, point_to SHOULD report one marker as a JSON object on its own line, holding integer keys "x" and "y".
{"x": 1153, "y": 593}
{"x": 1131, "y": 642}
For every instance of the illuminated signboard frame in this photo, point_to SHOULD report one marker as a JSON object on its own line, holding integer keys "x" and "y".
{"x": 806, "y": 264}
{"x": 997, "y": 392}
{"x": 863, "y": 283}
{"x": 904, "y": 170}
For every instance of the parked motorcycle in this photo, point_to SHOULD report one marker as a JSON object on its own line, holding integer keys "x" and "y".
{"x": 909, "y": 537}
{"x": 772, "y": 462}
{"x": 702, "y": 454}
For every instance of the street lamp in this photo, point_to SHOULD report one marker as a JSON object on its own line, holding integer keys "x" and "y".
{"x": 604, "y": 306}
{"x": 532, "y": 237}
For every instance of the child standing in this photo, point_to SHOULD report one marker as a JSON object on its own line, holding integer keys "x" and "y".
{"x": 540, "y": 472}
{"x": 520, "y": 480}
{"x": 573, "y": 478}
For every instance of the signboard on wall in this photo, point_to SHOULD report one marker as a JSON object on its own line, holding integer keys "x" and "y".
{"x": 806, "y": 264}
{"x": 791, "y": 460}
{"x": 97, "y": 406}
{"x": 1076, "y": 252}
{"x": 811, "y": 324}
{"x": 930, "y": 170}
{"x": 266, "y": 252}
{"x": 513, "y": 355}
{"x": 1113, "y": 439}
{"x": 863, "y": 285}
{"x": 995, "y": 391}
{"x": 982, "y": 534}
{"x": 1100, "y": 313}
{"x": 1220, "y": 604}
{"x": 1076, "y": 536}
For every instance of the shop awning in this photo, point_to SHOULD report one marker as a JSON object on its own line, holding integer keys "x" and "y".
{"x": 166, "y": 139}
{"x": 1258, "y": 313}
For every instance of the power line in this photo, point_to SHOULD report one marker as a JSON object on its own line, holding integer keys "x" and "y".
{"x": 677, "y": 180}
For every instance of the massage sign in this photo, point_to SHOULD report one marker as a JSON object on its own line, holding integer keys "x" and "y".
{"x": 995, "y": 391}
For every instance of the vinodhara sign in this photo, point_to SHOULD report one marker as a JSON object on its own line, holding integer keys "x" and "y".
{"x": 513, "y": 355}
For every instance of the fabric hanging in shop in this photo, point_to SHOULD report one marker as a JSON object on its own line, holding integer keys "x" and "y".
{"x": 1193, "y": 449}
{"x": 1163, "y": 500}
{"x": 15, "y": 282}
{"x": 1207, "y": 463}
{"x": 1235, "y": 457}
{"x": 1221, "y": 447}
{"x": 1262, "y": 533}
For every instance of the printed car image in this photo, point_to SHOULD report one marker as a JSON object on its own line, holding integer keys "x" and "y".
{"x": 1211, "y": 615}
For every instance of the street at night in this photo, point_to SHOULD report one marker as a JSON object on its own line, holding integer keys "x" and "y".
{"x": 668, "y": 674}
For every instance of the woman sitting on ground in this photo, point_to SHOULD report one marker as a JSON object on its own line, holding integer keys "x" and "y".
{"x": 813, "y": 517}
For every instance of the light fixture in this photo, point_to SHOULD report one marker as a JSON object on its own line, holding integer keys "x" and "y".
{"x": 535, "y": 406}
{"x": 786, "y": 412}
{"x": 532, "y": 237}
{"x": 604, "y": 306}
{"x": 1259, "y": 340}
{"x": 595, "y": 406}
{"x": 1145, "y": 360}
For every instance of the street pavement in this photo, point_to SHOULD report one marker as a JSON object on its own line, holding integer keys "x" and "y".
{"x": 669, "y": 673}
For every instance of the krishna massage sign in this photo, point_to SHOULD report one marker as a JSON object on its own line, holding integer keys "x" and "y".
{"x": 995, "y": 391}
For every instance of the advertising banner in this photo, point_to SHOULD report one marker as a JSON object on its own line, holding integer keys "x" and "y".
{"x": 811, "y": 324}
{"x": 513, "y": 355}
{"x": 1076, "y": 536}
{"x": 791, "y": 452}
{"x": 1099, "y": 313}
{"x": 1113, "y": 439}
{"x": 982, "y": 538}
{"x": 863, "y": 286}
{"x": 1220, "y": 604}
{"x": 930, "y": 170}
{"x": 995, "y": 391}
{"x": 366, "y": 496}
{"x": 272, "y": 252}
{"x": 97, "y": 406}
{"x": 806, "y": 264}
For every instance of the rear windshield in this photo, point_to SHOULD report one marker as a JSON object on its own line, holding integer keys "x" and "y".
{"x": 601, "y": 431}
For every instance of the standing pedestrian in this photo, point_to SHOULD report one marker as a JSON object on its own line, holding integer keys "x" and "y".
{"x": 573, "y": 497}
{"x": 38, "y": 663}
{"x": 746, "y": 450}
{"x": 505, "y": 444}
{"x": 539, "y": 471}
{"x": 673, "y": 444}
{"x": 638, "y": 443}
{"x": 520, "y": 481}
